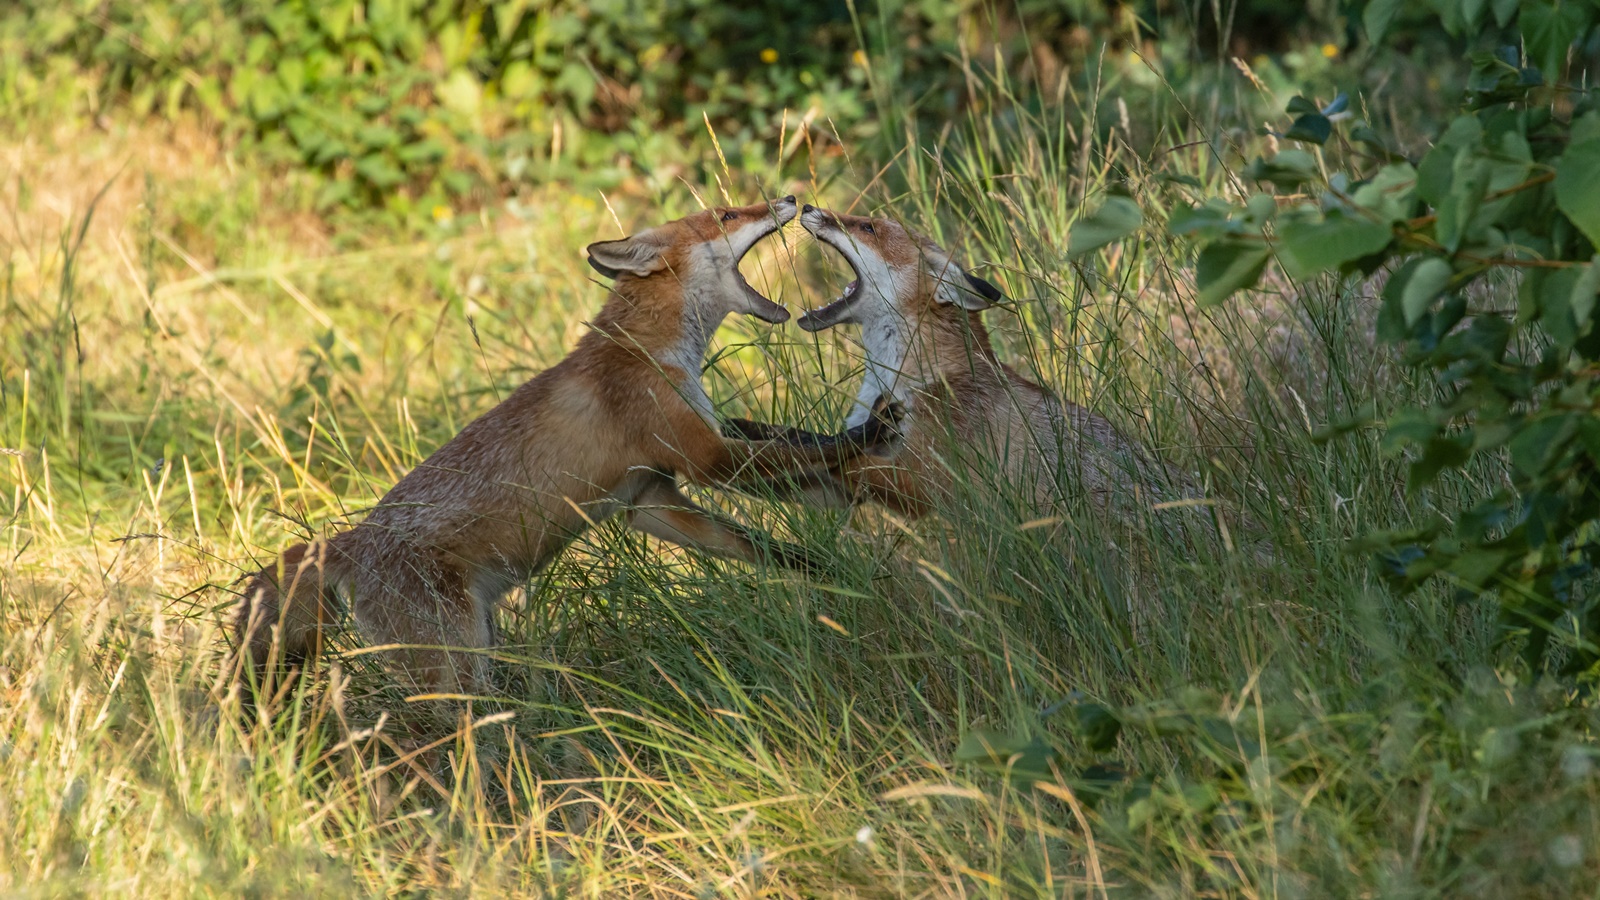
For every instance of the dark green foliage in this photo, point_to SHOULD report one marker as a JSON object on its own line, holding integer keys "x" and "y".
{"x": 1505, "y": 197}
{"x": 408, "y": 103}
{"x": 1251, "y": 762}
{"x": 443, "y": 97}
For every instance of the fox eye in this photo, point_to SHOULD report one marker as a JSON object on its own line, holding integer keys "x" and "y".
{"x": 867, "y": 227}
{"x": 729, "y": 216}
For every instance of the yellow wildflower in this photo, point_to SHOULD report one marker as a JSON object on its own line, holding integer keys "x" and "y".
{"x": 769, "y": 56}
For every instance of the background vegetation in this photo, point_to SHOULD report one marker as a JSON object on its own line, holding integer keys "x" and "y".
{"x": 260, "y": 259}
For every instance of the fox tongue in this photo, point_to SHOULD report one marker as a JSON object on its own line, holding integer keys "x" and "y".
{"x": 829, "y": 316}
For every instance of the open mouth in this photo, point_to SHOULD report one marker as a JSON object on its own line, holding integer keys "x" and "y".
{"x": 761, "y": 307}
{"x": 758, "y": 304}
{"x": 835, "y": 312}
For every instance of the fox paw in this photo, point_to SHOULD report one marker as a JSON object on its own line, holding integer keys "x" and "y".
{"x": 881, "y": 429}
{"x": 751, "y": 430}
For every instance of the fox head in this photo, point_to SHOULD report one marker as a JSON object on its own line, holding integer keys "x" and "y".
{"x": 700, "y": 253}
{"x": 902, "y": 278}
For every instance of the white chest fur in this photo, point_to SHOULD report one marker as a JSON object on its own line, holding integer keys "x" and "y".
{"x": 883, "y": 337}
{"x": 687, "y": 355}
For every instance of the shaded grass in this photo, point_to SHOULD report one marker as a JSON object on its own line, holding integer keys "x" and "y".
{"x": 183, "y": 406}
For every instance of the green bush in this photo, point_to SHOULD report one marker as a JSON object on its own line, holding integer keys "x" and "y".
{"x": 407, "y": 103}
{"x": 1488, "y": 243}
{"x": 401, "y": 94}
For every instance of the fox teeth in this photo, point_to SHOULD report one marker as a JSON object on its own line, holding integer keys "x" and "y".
{"x": 850, "y": 289}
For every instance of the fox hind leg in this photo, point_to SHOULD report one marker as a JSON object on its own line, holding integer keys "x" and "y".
{"x": 286, "y": 607}
{"x": 433, "y": 627}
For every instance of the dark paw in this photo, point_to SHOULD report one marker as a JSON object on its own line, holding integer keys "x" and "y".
{"x": 749, "y": 430}
{"x": 882, "y": 428}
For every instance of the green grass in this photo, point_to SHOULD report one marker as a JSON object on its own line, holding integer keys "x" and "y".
{"x": 198, "y": 375}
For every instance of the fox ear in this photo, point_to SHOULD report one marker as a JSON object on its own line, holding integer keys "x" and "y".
{"x": 984, "y": 289}
{"x": 967, "y": 291}
{"x": 638, "y": 255}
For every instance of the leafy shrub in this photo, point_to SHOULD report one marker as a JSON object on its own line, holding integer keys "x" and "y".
{"x": 406, "y": 102}
{"x": 1489, "y": 245}
{"x": 389, "y": 94}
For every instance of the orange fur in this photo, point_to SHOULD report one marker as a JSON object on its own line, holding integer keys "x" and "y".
{"x": 607, "y": 430}
{"x": 965, "y": 410}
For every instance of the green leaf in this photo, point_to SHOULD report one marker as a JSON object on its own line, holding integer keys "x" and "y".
{"x": 1117, "y": 218}
{"x": 1424, "y": 285}
{"x": 1364, "y": 134}
{"x": 1577, "y": 177}
{"x": 1288, "y": 170}
{"x": 334, "y": 17}
{"x": 307, "y": 135}
{"x": 1548, "y": 29}
{"x": 335, "y": 193}
{"x": 1228, "y": 266}
{"x": 1469, "y": 183}
{"x": 1312, "y": 128}
{"x": 1583, "y": 293}
{"x": 519, "y": 80}
{"x": 1392, "y": 326}
{"x": 1310, "y": 247}
{"x": 1441, "y": 453}
{"x": 267, "y": 99}
{"x": 1360, "y": 420}
{"x": 1211, "y": 215}
{"x": 1377, "y": 16}
{"x": 1475, "y": 569}
{"x": 1299, "y": 106}
{"x": 1556, "y": 290}
{"x": 1261, "y": 208}
{"x": 1434, "y": 173}
{"x": 461, "y": 93}
{"x": 419, "y": 153}
{"x": 1007, "y": 755}
{"x": 377, "y": 170}
{"x": 1407, "y": 428}
{"x": 377, "y": 137}
{"x": 1539, "y": 443}
{"x": 508, "y": 15}
{"x": 1098, "y": 725}
{"x": 1390, "y": 193}
{"x": 1586, "y": 128}
{"x": 1589, "y": 434}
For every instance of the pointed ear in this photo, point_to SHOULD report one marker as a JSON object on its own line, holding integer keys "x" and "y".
{"x": 638, "y": 255}
{"x": 984, "y": 289}
{"x": 956, "y": 286}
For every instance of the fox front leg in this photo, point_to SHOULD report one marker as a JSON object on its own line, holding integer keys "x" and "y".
{"x": 661, "y": 511}
{"x": 881, "y": 428}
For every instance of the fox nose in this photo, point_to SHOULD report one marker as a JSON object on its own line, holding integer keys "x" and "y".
{"x": 789, "y": 199}
{"x": 808, "y": 208}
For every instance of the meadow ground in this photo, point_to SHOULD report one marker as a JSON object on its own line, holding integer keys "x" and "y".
{"x": 196, "y": 373}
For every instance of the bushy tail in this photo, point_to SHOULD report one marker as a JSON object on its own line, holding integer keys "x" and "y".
{"x": 284, "y": 609}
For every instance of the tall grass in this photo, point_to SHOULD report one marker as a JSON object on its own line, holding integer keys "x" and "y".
{"x": 176, "y": 410}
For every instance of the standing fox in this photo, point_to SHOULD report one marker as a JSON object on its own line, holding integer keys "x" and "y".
{"x": 606, "y": 430}
{"x": 928, "y": 352}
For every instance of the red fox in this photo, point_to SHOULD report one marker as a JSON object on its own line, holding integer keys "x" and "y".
{"x": 928, "y": 351}
{"x": 607, "y": 430}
